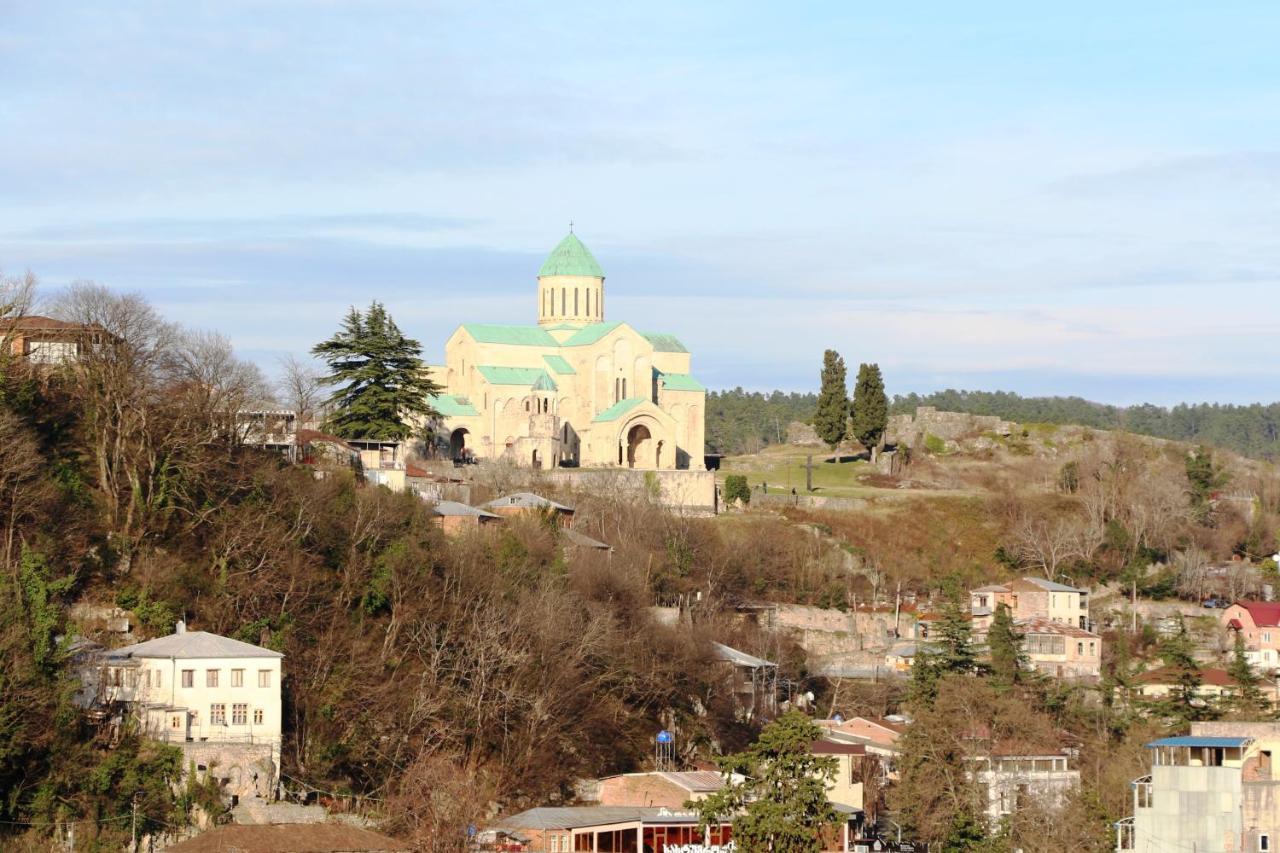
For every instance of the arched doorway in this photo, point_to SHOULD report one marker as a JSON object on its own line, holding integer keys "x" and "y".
{"x": 537, "y": 461}
{"x": 458, "y": 443}
{"x": 638, "y": 439}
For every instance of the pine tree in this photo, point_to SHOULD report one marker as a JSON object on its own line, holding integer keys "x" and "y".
{"x": 382, "y": 383}
{"x": 870, "y": 406}
{"x": 955, "y": 653}
{"x": 1178, "y": 654}
{"x": 1248, "y": 696}
{"x": 781, "y": 804}
{"x": 1008, "y": 660}
{"x": 831, "y": 421}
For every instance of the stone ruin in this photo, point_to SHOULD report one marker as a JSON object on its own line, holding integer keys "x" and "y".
{"x": 951, "y": 427}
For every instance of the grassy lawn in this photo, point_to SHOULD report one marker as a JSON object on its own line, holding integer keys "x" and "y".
{"x": 784, "y": 469}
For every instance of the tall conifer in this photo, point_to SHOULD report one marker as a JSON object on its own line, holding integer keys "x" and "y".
{"x": 831, "y": 421}
{"x": 870, "y": 406}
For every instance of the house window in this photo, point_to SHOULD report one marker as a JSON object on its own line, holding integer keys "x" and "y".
{"x": 1079, "y": 649}
{"x": 237, "y": 678}
{"x": 217, "y": 714}
{"x": 51, "y": 352}
{"x": 257, "y": 716}
{"x": 1266, "y": 636}
{"x": 195, "y": 718}
{"x": 188, "y": 677}
{"x": 159, "y": 678}
{"x": 211, "y": 678}
{"x": 1264, "y": 842}
{"x": 1092, "y": 648}
{"x": 588, "y": 301}
{"x": 239, "y": 714}
{"x": 176, "y": 723}
{"x": 146, "y": 681}
{"x": 264, "y": 678}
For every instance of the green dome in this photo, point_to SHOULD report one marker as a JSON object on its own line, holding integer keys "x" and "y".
{"x": 571, "y": 258}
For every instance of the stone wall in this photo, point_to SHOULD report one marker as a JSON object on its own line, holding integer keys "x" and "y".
{"x": 948, "y": 426}
{"x": 803, "y": 434}
{"x": 244, "y": 769}
{"x": 691, "y": 491}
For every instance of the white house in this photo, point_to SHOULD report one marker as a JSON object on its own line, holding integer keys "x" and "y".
{"x": 192, "y": 688}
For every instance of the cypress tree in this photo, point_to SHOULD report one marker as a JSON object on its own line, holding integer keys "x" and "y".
{"x": 1248, "y": 697}
{"x": 1178, "y": 654}
{"x": 831, "y": 421}
{"x": 1008, "y": 660}
{"x": 870, "y": 406}
{"x": 381, "y": 381}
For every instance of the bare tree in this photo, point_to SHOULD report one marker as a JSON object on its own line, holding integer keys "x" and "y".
{"x": 300, "y": 389}
{"x": 17, "y": 297}
{"x": 1048, "y": 543}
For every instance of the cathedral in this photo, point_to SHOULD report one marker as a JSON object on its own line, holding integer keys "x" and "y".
{"x": 573, "y": 390}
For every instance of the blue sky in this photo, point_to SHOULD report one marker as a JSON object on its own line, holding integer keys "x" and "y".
{"x": 1080, "y": 199}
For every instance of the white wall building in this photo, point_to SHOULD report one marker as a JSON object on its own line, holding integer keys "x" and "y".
{"x": 192, "y": 687}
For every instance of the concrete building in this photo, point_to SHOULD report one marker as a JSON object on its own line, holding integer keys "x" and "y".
{"x": 527, "y": 503}
{"x": 217, "y": 698}
{"x": 617, "y": 829}
{"x": 1061, "y": 649}
{"x": 573, "y": 389}
{"x": 1215, "y": 684}
{"x": 455, "y": 518}
{"x": 1031, "y": 598}
{"x": 1006, "y": 782}
{"x": 1259, "y": 623}
{"x": 48, "y": 342}
{"x": 1212, "y": 791}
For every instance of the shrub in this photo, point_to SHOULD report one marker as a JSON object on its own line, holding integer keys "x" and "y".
{"x": 934, "y": 445}
{"x": 736, "y": 488}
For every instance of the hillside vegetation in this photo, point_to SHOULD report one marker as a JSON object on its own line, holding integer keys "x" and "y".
{"x": 744, "y": 422}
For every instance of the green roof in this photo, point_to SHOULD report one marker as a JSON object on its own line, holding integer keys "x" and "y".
{"x": 564, "y": 327}
{"x": 663, "y": 342}
{"x": 679, "y": 381}
{"x": 524, "y": 336}
{"x": 571, "y": 258}
{"x": 558, "y": 365}
{"x": 450, "y": 406}
{"x": 529, "y": 377}
{"x": 618, "y": 409}
{"x": 589, "y": 334}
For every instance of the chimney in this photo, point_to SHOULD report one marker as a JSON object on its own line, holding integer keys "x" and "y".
{"x": 181, "y": 627}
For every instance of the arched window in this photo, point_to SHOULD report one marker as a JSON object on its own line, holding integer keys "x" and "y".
{"x": 588, "y": 302}
{"x": 526, "y": 405}
{"x": 575, "y": 301}
{"x": 563, "y": 303}
{"x": 624, "y": 388}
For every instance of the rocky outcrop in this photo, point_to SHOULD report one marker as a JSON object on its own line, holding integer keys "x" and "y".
{"x": 951, "y": 427}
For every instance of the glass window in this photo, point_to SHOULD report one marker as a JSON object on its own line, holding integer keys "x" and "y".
{"x": 211, "y": 678}
{"x": 217, "y": 714}
{"x": 257, "y": 716}
{"x": 239, "y": 714}
{"x": 188, "y": 677}
{"x": 159, "y": 678}
{"x": 264, "y": 678}
{"x": 237, "y": 678}
{"x": 51, "y": 352}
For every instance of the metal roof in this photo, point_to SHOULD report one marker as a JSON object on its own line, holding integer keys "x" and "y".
{"x": 529, "y": 377}
{"x": 524, "y": 336}
{"x": 679, "y": 381}
{"x": 559, "y": 365}
{"x": 450, "y": 406}
{"x": 193, "y": 644}
{"x": 584, "y": 541}
{"x": 460, "y": 509}
{"x": 527, "y": 500}
{"x": 663, "y": 342}
{"x": 1194, "y": 741}
{"x": 727, "y": 653}
{"x": 570, "y": 257}
{"x": 589, "y": 334}
{"x": 618, "y": 409}
{"x": 572, "y": 817}
{"x": 1052, "y": 586}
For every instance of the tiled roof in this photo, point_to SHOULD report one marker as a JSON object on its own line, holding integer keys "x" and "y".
{"x": 193, "y": 644}
{"x": 992, "y": 587}
{"x": 523, "y": 336}
{"x": 451, "y": 406}
{"x": 618, "y": 409}
{"x": 289, "y": 838}
{"x": 679, "y": 381}
{"x": 572, "y": 817}
{"x": 663, "y": 342}
{"x": 1169, "y": 675}
{"x": 559, "y": 365}
{"x": 529, "y": 377}
{"x": 570, "y": 257}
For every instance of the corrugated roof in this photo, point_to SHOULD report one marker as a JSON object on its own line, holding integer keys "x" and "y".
{"x": 523, "y": 336}
{"x": 697, "y": 781}
{"x": 1051, "y": 586}
{"x": 663, "y": 342}
{"x": 1194, "y": 741}
{"x": 289, "y": 838}
{"x": 450, "y": 406}
{"x": 679, "y": 381}
{"x": 527, "y": 500}
{"x": 194, "y": 644}
{"x": 732, "y": 655}
{"x": 589, "y": 334}
{"x": 570, "y": 257}
{"x": 618, "y": 409}
{"x": 1046, "y": 626}
{"x": 559, "y": 365}
{"x": 529, "y": 377}
{"x": 572, "y": 817}
{"x": 456, "y": 508}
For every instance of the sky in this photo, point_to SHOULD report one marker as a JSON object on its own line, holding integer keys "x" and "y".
{"x": 1064, "y": 198}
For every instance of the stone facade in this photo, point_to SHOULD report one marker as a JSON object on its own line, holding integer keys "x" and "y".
{"x": 572, "y": 390}
{"x": 911, "y": 430}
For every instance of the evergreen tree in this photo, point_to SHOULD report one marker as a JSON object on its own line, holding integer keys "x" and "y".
{"x": 955, "y": 653}
{"x": 831, "y": 421}
{"x": 1178, "y": 654}
{"x": 1203, "y": 477}
{"x": 781, "y": 805}
{"x": 1008, "y": 660}
{"x": 870, "y": 406}
{"x": 1248, "y": 696}
{"x": 382, "y": 383}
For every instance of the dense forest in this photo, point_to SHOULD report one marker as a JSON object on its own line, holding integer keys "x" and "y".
{"x": 739, "y": 421}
